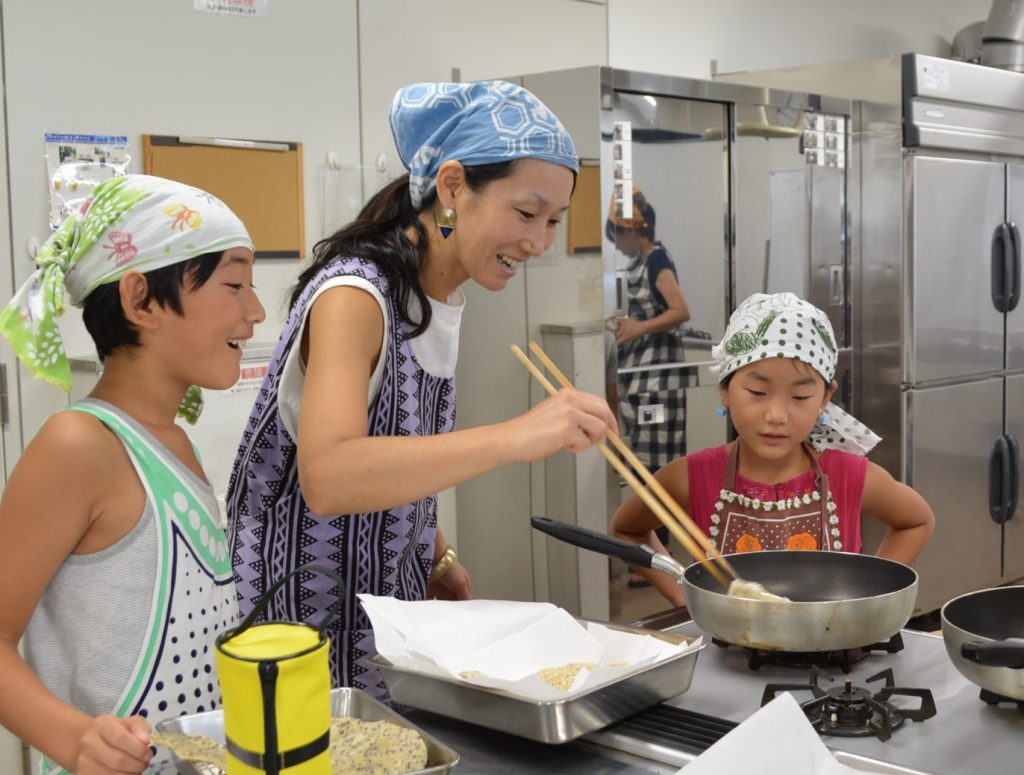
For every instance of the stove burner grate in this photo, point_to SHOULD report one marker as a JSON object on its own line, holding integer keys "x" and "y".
{"x": 853, "y": 711}
{"x": 844, "y": 659}
{"x": 992, "y": 698}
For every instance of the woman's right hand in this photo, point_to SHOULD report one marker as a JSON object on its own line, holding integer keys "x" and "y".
{"x": 569, "y": 420}
{"x": 114, "y": 745}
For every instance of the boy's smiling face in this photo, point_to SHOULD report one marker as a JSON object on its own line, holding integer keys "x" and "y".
{"x": 218, "y": 319}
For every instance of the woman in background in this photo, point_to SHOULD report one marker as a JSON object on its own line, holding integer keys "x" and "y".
{"x": 652, "y": 404}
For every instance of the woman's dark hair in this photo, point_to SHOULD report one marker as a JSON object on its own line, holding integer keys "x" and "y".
{"x": 642, "y": 221}
{"x": 104, "y": 317}
{"x": 378, "y": 234}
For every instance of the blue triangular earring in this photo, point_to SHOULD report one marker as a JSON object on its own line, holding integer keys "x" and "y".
{"x": 446, "y": 221}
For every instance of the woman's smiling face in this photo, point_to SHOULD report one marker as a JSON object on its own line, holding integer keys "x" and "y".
{"x": 510, "y": 220}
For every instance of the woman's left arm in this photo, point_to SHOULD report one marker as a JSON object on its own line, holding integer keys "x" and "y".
{"x": 453, "y": 583}
{"x": 908, "y": 515}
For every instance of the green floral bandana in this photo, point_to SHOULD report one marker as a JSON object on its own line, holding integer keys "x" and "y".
{"x": 134, "y": 223}
{"x": 782, "y": 325}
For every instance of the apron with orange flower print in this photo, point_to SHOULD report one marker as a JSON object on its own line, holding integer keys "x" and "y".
{"x": 744, "y": 524}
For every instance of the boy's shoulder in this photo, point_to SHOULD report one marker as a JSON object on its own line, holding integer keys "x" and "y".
{"x": 79, "y": 438}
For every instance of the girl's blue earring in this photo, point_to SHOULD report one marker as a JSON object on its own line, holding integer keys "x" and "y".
{"x": 721, "y": 411}
{"x": 446, "y": 220}
{"x": 823, "y": 419}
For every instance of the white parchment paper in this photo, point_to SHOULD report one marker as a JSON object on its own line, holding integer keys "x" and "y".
{"x": 502, "y": 644}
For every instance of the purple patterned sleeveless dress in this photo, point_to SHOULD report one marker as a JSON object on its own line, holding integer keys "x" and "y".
{"x": 271, "y": 529}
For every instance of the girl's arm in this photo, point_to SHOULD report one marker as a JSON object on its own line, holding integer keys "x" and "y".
{"x": 909, "y": 517}
{"x": 343, "y": 471}
{"x": 677, "y": 313}
{"x": 455, "y": 584}
{"x": 634, "y": 521}
{"x": 48, "y": 507}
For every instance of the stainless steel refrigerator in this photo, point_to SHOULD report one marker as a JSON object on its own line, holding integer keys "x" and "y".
{"x": 749, "y": 186}
{"x": 938, "y": 330}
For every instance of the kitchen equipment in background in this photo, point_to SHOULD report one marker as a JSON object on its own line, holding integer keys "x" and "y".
{"x": 1003, "y": 36}
{"x": 984, "y": 636}
{"x": 855, "y": 711}
{"x": 937, "y": 330}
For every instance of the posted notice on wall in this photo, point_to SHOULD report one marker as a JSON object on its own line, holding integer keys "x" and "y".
{"x": 251, "y": 8}
{"x": 76, "y": 164}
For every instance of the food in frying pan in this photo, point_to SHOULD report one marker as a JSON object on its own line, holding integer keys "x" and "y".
{"x": 193, "y": 748}
{"x": 752, "y": 590}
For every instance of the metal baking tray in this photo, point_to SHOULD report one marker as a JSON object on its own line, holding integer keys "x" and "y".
{"x": 353, "y": 703}
{"x": 549, "y": 721}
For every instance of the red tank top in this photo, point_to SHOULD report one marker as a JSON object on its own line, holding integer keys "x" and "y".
{"x": 845, "y": 473}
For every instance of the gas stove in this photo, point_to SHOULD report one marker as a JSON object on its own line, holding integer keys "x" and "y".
{"x": 952, "y": 733}
{"x": 844, "y": 659}
{"x": 854, "y": 711}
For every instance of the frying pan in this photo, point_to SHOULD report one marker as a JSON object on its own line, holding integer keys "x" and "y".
{"x": 984, "y": 636}
{"x": 836, "y": 600}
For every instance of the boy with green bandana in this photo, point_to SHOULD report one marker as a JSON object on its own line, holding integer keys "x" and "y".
{"x": 113, "y": 564}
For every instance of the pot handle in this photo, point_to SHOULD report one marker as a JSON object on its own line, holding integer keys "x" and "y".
{"x": 998, "y": 653}
{"x": 635, "y": 554}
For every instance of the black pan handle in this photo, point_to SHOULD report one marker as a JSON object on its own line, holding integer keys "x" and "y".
{"x": 997, "y": 653}
{"x": 1013, "y": 452}
{"x": 634, "y": 554}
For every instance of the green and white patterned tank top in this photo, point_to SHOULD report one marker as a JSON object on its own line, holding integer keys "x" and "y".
{"x": 130, "y": 630}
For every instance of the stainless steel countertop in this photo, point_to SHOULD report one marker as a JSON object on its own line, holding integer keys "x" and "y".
{"x": 965, "y": 737}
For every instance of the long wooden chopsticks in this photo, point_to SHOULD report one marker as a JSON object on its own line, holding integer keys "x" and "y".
{"x": 668, "y": 511}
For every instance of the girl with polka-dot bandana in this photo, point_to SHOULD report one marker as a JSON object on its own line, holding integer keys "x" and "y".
{"x": 113, "y": 563}
{"x": 796, "y": 476}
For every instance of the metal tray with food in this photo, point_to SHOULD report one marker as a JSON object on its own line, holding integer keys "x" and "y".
{"x": 345, "y": 703}
{"x": 551, "y": 721}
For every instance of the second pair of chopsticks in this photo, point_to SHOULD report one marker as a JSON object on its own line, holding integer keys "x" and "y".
{"x": 668, "y": 512}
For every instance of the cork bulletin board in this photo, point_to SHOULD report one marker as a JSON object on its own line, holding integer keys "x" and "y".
{"x": 586, "y": 215}
{"x": 260, "y": 181}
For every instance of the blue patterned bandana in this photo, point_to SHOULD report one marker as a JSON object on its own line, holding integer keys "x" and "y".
{"x": 474, "y": 123}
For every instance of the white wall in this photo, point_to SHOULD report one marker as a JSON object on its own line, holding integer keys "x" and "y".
{"x": 681, "y": 37}
{"x": 125, "y": 67}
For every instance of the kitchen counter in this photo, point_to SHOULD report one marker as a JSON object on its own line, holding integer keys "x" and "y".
{"x": 965, "y": 737}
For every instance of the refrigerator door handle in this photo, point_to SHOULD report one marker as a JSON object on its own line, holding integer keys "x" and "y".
{"x": 998, "y": 480}
{"x": 1013, "y": 263}
{"x": 1013, "y": 450}
{"x": 1000, "y": 257}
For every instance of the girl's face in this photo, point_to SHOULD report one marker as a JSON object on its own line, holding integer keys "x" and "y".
{"x": 218, "y": 318}
{"x": 628, "y": 242}
{"x": 774, "y": 404}
{"x": 510, "y": 220}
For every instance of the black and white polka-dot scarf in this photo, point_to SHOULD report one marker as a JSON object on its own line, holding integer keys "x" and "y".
{"x": 782, "y": 325}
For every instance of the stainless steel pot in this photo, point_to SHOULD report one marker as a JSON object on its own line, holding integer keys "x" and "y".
{"x": 984, "y": 636}
{"x": 837, "y": 600}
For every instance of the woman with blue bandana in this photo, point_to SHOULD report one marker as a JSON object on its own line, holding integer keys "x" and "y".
{"x": 113, "y": 562}
{"x": 351, "y": 435}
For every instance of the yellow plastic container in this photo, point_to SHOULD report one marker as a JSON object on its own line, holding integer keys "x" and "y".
{"x": 275, "y": 682}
